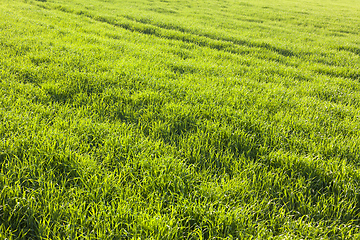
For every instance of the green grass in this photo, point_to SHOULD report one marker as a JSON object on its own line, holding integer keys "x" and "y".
{"x": 156, "y": 119}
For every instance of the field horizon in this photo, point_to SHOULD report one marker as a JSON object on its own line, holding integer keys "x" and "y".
{"x": 159, "y": 119}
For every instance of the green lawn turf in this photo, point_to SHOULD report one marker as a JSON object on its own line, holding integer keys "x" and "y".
{"x": 179, "y": 119}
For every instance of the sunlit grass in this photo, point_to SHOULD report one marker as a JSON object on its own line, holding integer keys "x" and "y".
{"x": 179, "y": 119}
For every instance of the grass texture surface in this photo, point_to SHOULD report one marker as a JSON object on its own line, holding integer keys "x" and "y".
{"x": 179, "y": 119}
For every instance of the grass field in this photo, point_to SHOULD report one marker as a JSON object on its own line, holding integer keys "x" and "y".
{"x": 179, "y": 119}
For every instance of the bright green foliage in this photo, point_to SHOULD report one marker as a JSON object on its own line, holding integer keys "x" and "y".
{"x": 161, "y": 119}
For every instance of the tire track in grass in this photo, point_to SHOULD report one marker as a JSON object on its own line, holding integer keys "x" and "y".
{"x": 239, "y": 42}
{"x": 353, "y": 74}
{"x": 225, "y": 44}
{"x": 352, "y": 49}
{"x": 144, "y": 26}
{"x": 234, "y": 46}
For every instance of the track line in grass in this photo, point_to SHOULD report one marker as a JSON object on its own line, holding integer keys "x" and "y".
{"x": 188, "y": 36}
